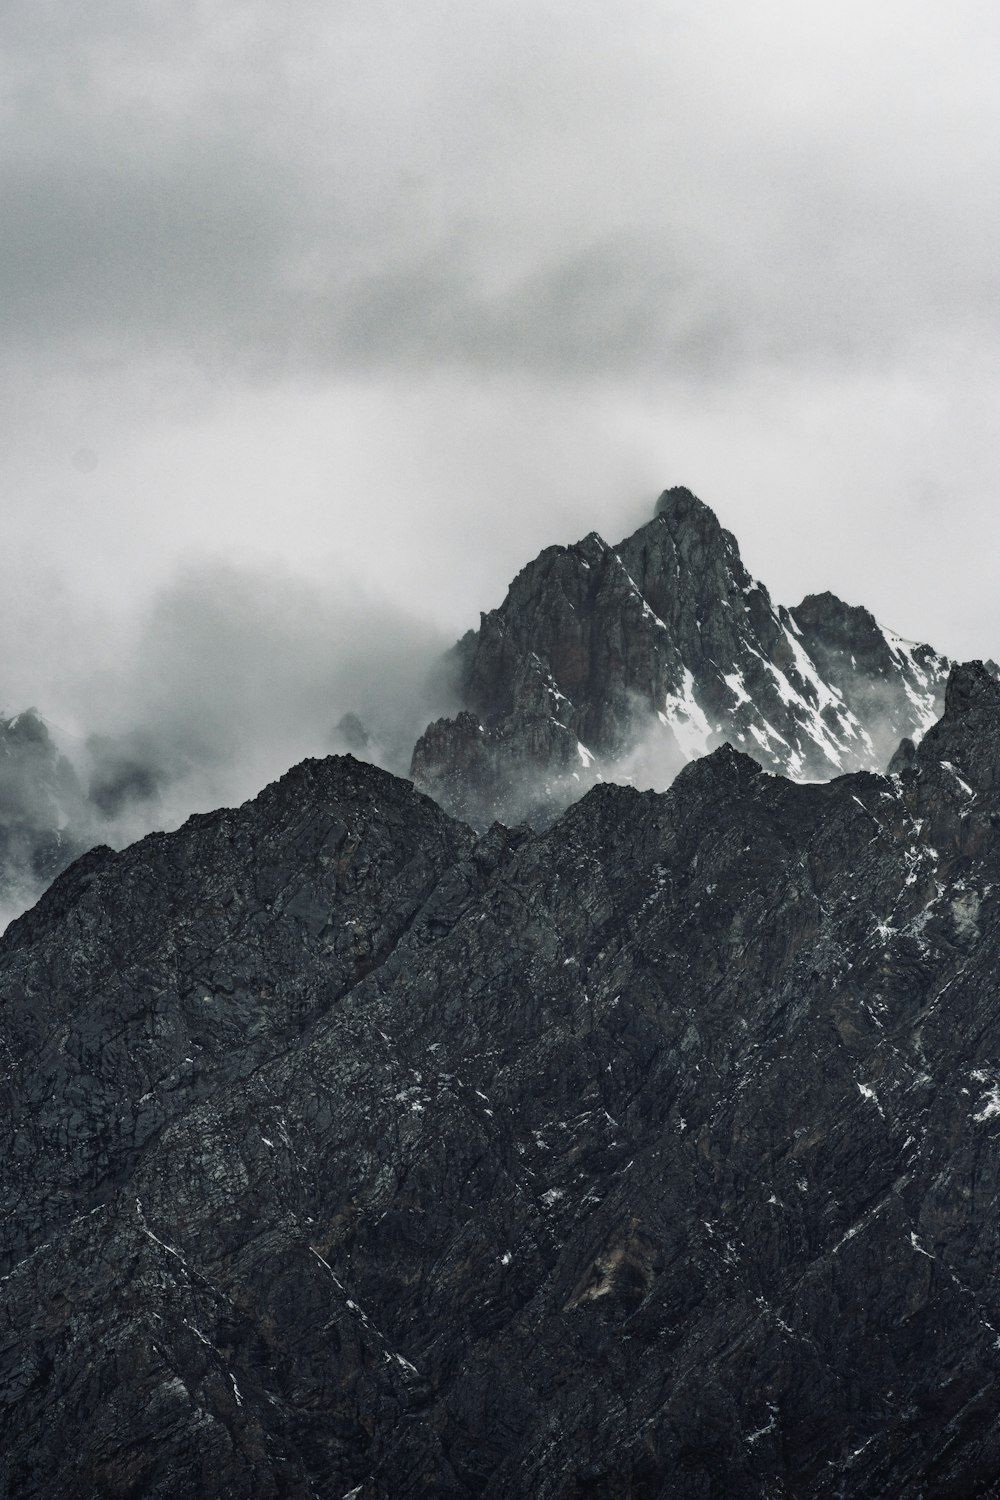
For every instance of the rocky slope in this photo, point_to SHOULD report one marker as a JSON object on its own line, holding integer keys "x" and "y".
{"x": 622, "y": 663}
{"x": 347, "y": 1153}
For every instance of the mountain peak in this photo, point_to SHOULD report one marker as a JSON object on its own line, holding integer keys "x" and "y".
{"x": 676, "y": 495}
{"x": 623, "y": 662}
{"x": 679, "y": 503}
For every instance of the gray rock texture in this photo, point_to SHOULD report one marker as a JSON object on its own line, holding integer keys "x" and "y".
{"x": 347, "y": 1152}
{"x": 623, "y": 663}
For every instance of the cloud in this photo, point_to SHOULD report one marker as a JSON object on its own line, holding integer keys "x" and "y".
{"x": 540, "y": 188}
{"x": 232, "y": 675}
{"x": 237, "y": 674}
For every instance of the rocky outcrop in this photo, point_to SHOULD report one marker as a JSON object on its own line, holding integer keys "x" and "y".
{"x": 349, "y": 1153}
{"x": 623, "y": 663}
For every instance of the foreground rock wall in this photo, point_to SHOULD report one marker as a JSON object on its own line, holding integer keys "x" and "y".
{"x": 347, "y": 1153}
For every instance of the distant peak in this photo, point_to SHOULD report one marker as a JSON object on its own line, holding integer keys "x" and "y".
{"x": 27, "y": 729}
{"x": 828, "y": 611}
{"x": 679, "y": 501}
{"x": 828, "y": 602}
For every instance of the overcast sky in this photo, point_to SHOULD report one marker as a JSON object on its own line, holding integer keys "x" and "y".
{"x": 341, "y": 300}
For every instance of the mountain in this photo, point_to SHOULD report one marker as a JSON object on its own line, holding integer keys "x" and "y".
{"x": 349, "y": 1153}
{"x": 625, "y": 662}
{"x": 602, "y": 663}
{"x": 40, "y": 803}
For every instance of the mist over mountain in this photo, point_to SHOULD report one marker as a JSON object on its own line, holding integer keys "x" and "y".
{"x": 603, "y": 663}
{"x": 352, "y": 1148}
{"x": 576, "y": 1074}
{"x": 623, "y": 663}
{"x": 233, "y": 675}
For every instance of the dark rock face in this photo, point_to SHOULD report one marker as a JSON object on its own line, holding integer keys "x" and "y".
{"x": 626, "y": 662}
{"x": 347, "y": 1153}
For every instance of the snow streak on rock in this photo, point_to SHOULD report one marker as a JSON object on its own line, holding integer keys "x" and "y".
{"x": 653, "y": 653}
{"x": 657, "y": 1153}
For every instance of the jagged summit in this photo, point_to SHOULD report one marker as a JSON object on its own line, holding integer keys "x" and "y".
{"x": 678, "y": 503}
{"x": 624, "y": 662}
{"x": 972, "y": 686}
{"x": 692, "y": 524}
{"x": 618, "y": 662}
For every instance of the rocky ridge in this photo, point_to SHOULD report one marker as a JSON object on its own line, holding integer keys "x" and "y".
{"x": 347, "y": 1153}
{"x": 623, "y": 663}
{"x": 602, "y": 664}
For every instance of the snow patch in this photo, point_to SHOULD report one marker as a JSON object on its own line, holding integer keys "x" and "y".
{"x": 966, "y": 788}
{"x": 736, "y": 685}
{"x": 868, "y": 1093}
{"x": 684, "y": 716}
{"x": 990, "y": 1108}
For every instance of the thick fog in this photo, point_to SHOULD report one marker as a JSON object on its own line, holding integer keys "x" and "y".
{"x": 233, "y": 675}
